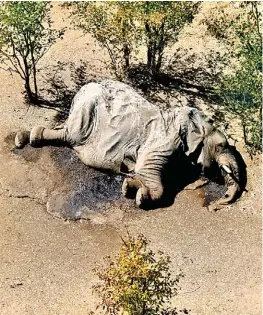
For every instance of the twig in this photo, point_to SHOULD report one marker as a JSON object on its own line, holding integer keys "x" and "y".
{"x": 186, "y": 292}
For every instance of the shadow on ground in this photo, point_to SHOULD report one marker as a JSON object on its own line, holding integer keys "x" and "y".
{"x": 185, "y": 74}
{"x": 163, "y": 87}
{"x": 175, "y": 311}
{"x": 180, "y": 83}
{"x": 60, "y": 84}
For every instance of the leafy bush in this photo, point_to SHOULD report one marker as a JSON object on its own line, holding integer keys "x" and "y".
{"x": 122, "y": 26}
{"x": 136, "y": 282}
{"x": 112, "y": 25}
{"x": 25, "y": 36}
{"x": 241, "y": 96}
{"x": 161, "y": 22}
{"x": 238, "y": 25}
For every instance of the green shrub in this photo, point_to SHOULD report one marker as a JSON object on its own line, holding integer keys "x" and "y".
{"x": 122, "y": 27}
{"x": 25, "y": 36}
{"x": 238, "y": 26}
{"x": 136, "y": 282}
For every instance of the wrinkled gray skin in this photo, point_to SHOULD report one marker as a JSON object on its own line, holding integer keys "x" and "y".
{"x": 112, "y": 127}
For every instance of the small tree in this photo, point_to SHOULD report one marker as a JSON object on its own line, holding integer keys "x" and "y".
{"x": 25, "y": 36}
{"x": 238, "y": 26}
{"x": 122, "y": 26}
{"x": 162, "y": 21}
{"x": 112, "y": 24}
{"x": 137, "y": 282}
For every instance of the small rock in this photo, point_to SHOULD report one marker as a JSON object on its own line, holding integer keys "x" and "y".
{"x": 16, "y": 283}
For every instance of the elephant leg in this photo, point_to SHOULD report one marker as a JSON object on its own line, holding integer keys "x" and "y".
{"x": 130, "y": 187}
{"x": 148, "y": 170}
{"x": 148, "y": 197}
{"x": 145, "y": 193}
{"x": 40, "y": 136}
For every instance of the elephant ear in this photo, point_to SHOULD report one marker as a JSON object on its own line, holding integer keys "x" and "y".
{"x": 195, "y": 137}
{"x": 197, "y": 127}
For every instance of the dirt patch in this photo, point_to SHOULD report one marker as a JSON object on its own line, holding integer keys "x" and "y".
{"x": 9, "y": 140}
{"x": 28, "y": 153}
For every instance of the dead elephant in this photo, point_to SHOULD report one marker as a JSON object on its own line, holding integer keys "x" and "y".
{"x": 112, "y": 127}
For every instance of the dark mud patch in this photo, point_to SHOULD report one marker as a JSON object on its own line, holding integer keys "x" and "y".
{"x": 84, "y": 192}
{"x": 28, "y": 153}
{"x": 213, "y": 192}
{"x": 9, "y": 140}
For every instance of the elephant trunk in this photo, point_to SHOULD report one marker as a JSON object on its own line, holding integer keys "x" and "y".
{"x": 230, "y": 172}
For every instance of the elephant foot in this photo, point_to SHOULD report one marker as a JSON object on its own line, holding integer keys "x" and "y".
{"x": 22, "y": 138}
{"x": 130, "y": 187}
{"x": 143, "y": 199}
{"x": 128, "y": 191}
{"x": 36, "y": 136}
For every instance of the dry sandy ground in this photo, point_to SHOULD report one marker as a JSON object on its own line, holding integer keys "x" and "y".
{"x": 46, "y": 264}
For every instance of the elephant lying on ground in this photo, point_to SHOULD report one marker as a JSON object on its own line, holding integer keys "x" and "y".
{"x": 112, "y": 127}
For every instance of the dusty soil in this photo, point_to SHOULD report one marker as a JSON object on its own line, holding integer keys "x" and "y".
{"x": 47, "y": 263}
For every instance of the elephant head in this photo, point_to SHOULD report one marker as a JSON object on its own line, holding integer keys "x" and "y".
{"x": 210, "y": 146}
{"x": 217, "y": 150}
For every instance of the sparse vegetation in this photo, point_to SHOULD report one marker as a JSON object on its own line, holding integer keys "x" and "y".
{"x": 25, "y": 36}
{"x": 124, "y": 27}
{"x": 241, "y": 90}
{"x": 137, "y": 282}
{"x": 112, "y": 24}
{"x": 161, "y": 23}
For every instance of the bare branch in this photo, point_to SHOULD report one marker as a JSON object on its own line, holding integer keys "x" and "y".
{"x": 13, "y": 64}
{"x": 17, "y": 58}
